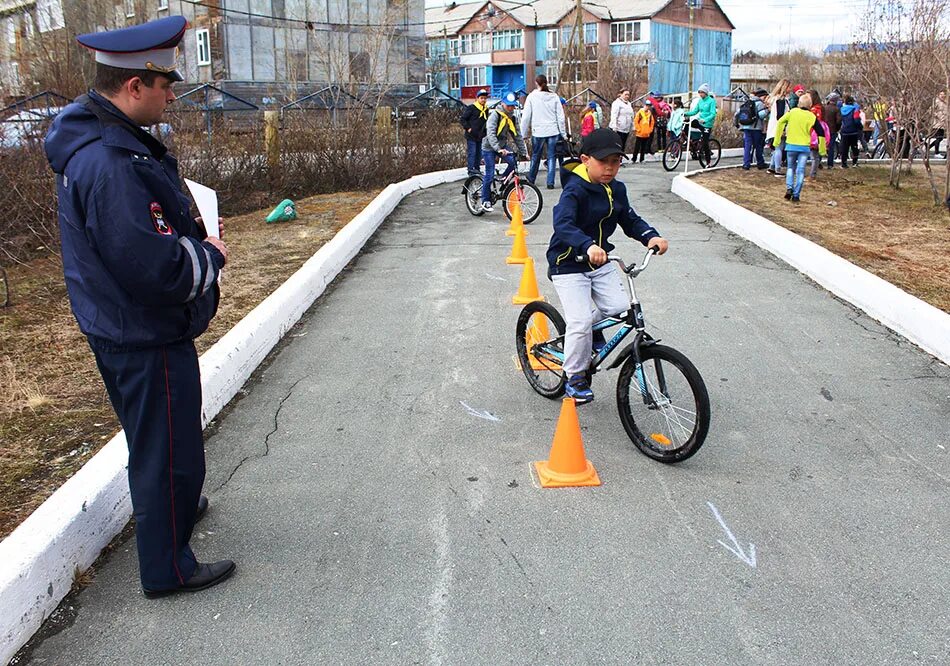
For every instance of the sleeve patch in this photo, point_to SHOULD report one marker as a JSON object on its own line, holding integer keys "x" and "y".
{"x": 158, "y": 219}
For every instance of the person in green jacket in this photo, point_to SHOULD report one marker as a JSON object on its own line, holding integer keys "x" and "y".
{"x": 798, "y": 125}
{"x": 705, "y": 108}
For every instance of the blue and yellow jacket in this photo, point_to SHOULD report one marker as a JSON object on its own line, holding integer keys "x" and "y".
{"x": 587, "y": 214}
{"x": 138, "y": 270}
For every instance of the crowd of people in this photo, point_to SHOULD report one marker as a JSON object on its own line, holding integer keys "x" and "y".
{"x": 791, "y": 132}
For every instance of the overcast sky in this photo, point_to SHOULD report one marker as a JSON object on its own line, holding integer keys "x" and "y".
{"x": 763, "y": 25}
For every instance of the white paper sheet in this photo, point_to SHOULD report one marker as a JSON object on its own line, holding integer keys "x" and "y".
{"x": 207, "y": 201}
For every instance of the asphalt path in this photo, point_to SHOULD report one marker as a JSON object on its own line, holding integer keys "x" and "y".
{"x": 373, "y": 481}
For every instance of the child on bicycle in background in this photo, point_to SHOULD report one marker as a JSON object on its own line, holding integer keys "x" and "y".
{"x": 501, "y": 140}
{"x": 592, "y": 205}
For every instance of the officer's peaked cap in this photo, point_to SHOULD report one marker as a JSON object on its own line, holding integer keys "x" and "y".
{"x": 152, "y": 46}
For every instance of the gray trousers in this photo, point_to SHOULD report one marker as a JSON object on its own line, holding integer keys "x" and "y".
{"x": 576, "y": 291}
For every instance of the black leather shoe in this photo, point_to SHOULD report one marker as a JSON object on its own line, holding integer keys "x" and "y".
{"x": 205, "y": 576}
{"x": 202, "y": 508}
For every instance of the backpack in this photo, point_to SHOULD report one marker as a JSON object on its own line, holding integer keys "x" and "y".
{"x": 747, "y": 114}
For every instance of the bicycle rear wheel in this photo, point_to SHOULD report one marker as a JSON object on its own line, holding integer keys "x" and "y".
{"x": 663, "y": 404}
{"x": 715, "y": 152}
{"x": 672, "y": 156}
{"x": 472, "y": 191}
{"x": 531, "y": 201}
{"x": 539, "y": 340}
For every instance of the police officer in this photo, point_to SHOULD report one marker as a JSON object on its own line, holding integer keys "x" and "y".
{"x": 142, "y": 280}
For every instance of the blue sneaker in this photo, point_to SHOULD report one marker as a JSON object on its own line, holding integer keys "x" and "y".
{"x": 578, "y": 387}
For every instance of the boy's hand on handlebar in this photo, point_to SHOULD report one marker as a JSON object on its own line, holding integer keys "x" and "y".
{"x": 661, "y": 244}
{"x": 596, "y": 255}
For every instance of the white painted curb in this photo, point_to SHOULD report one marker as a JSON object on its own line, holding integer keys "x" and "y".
{"x": 69, "y": 530}
{"x": 921, "y": 323}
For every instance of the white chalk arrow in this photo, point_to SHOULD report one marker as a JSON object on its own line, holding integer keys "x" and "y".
{"x": 488, "y": 416}
{"x": 735, "y": 548}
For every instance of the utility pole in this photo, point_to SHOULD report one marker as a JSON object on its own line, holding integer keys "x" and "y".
{"x": 581, "y": 46}
{"x": 445, "y": 39}
{"x": 689, "y": 82}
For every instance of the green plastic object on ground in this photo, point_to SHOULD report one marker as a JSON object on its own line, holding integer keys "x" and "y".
{"x": 285, "y": 212}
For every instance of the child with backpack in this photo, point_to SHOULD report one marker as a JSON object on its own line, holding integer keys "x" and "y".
{"x": 751, "y": 119}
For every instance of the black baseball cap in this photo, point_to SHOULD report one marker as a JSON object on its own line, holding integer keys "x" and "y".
{"x": 601, "y": 143}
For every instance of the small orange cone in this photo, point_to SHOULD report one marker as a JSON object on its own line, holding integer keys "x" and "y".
{"x": 538, "y": 332}
{"x": 519, "y": 249}
{"x": 517, "y": 215}
{"x": 567, "y": 464}
{"x": 528, "y": 290}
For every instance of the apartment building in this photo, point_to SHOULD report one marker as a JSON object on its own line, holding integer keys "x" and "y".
{"x": 237, "y": 44}
{"x": 503, "y": 45}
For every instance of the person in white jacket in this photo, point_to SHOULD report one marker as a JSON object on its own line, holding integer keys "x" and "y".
{"x": 543, "y": 118}
{"x": 621, "y": 116}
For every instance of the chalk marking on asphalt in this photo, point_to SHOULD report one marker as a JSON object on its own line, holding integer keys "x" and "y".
{"x": 438, "y": 599}
{"x": 488, "y": 416}
{"x": 735, "y": 548}
{"x": 495, "y": 277}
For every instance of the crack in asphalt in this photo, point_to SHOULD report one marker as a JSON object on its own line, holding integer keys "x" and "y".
{"x": 243, "y": 460}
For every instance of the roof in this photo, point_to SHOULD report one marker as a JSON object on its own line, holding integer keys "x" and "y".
{"x": 539, "y": 13}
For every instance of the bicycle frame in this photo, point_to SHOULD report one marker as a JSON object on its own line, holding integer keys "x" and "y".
{"x": 631, "y": 320}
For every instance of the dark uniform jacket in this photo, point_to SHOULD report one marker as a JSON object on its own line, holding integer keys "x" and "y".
{"x": 474, "y": 118}
{"x": 587, "y": 214}
{"x": 137, "y": 271}
{"x": 832, "y": 116}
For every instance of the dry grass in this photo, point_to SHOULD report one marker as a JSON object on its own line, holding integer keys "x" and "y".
{"x": 896, "y": 234}
{"x": 54, "y": 413}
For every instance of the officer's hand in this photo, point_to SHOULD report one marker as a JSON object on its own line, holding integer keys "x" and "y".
{"x": 597, "y": 255}
{"x": 661, "y": 244}
{"x": 503, "y": 152}
{"x": 200, "y": 220}
{"x": 219, "y": 245}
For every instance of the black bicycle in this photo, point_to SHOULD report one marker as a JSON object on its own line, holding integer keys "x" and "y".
{"x": 661, "y": 397}
{"x": 674, "y": 151}
{"x": 506, "y": 190}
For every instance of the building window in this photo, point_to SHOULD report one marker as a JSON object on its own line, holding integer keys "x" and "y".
{"x": 506, "y": 40}
{"x": 428, "y": 49}
{"x": 454, "y": 48}
{"x": 590, "y": 33}
{"x": 129, "y": 8}
{"x": 429, "y": 81}
{"x": 552, "y": 40}
{"x": 474, "y": 42}
{"x": 626, "y": 32}
{"x": 162, "y": 4}
{"x": 204, "y": 46}
{"x": 551, "y": 72}
{"x": 454, "y": 80}
{"x": 11, "y": 29}
{"x": 474, "y": 76}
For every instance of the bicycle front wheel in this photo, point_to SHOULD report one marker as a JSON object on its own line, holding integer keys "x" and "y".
{"x": 663, "y": 404}
{"x": 712, "y": 159}
{"x": 539, "y": 340}
{"x": 672, "y": 156}
{"x": 531, "y": 201}
{"x": 472, "y": 191}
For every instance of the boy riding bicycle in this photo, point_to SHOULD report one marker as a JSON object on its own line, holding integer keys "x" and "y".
{"x": 592, "y": 204}
{"x": 501, "y": 140}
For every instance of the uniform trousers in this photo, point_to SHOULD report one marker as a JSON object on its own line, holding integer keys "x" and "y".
{"x": 576, "y": 291}
{"x": 156, "y": 393}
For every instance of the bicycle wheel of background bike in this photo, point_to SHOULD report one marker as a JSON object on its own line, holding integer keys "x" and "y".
{"x": 672, "y": 156}
{"x": 715, "y": 152}
{"x": 540, "y": 324}
{"x": 530, "y": 204}
{"x": 472, "y": 191}
{"x": 663, "y": 404}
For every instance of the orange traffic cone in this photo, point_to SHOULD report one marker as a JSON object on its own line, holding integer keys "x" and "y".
{"x": 536, "y": 333}
{"x": 519, "y": 249}
{"x": 567, "y": 465}
{"x": 517, "y": 215}
{"x": 528, "y": 290}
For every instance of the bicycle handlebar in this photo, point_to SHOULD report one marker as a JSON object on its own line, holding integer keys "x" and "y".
{"x": 632, "y": 271}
